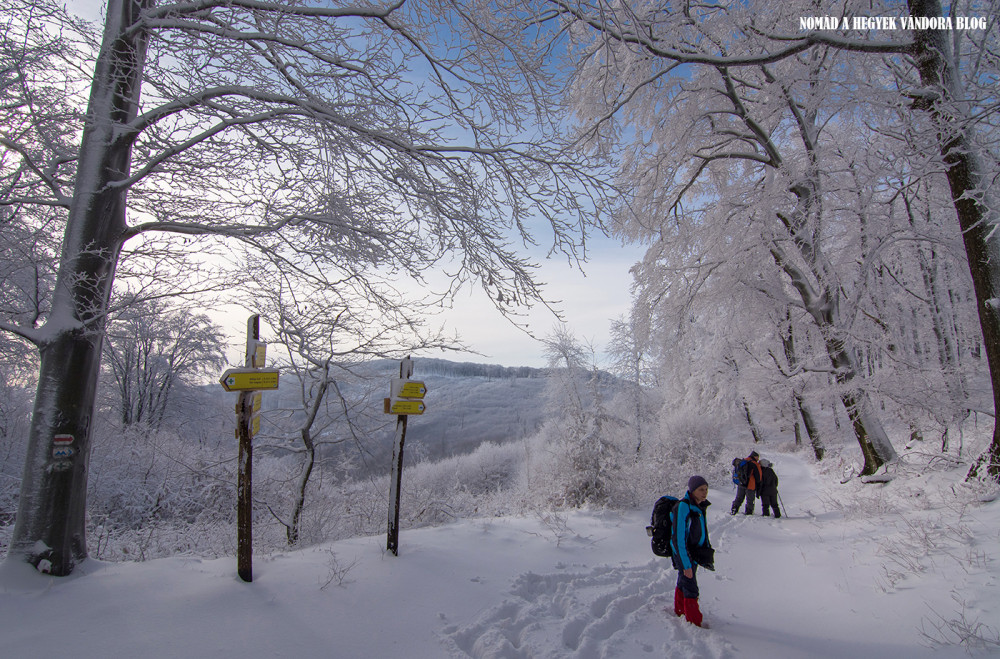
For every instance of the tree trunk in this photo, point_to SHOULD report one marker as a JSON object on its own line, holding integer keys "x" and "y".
{"x": 969, "y": 189}
{"x": 801, "y": 406}
{"x": 50, "y": 531}
{"x": 812, "y": 429}
{"x": 757, "y": 439}
{"x": 868, "y": 429}
{"x": 293, "y": 531}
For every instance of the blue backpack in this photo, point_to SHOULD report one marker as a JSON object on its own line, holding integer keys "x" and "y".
{"x": 659, "y": 525}
{"x": 739, "y": 465}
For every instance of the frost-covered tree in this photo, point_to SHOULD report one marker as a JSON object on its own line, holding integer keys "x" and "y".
{"x": 359, "y": 134}
{"x": 586, "y": 460}
{"x": 629, "y": 362}
{"x": 152, "y": 351}
{"x": 956, "y": 88}
{"x": 743, "y": 152}
{"x": 647, "y": 58}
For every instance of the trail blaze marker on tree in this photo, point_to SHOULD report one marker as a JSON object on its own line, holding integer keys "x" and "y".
{"x": 62, "y": 447}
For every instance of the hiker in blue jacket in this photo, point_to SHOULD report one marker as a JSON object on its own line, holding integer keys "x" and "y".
{"x": 691, "y": 547}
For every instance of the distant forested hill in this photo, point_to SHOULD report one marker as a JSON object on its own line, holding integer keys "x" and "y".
{"x": 467, "y": 404}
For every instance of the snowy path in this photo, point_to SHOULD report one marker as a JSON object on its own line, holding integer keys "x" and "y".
{"x": 804, "y": 586}
{"x": 626, "y": 611}
{"x": 579, "y": 586}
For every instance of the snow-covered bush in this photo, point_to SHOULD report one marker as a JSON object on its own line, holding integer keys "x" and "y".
{"x": 153, "y": 493}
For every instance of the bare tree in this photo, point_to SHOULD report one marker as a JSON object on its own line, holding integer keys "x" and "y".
{"x": 354, "y": 134}
{"x": 152, "y": 350}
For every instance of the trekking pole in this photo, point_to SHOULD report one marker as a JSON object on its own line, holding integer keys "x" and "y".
{"x": 782, "y": 504}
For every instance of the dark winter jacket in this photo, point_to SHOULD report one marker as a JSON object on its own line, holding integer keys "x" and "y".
{"x": 750, "y": 473}
{"x": 689, "y": 535}
{"x": 768, "y": 482}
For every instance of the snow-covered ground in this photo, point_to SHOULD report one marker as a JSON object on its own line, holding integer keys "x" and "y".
{"x": 823, "y": 581}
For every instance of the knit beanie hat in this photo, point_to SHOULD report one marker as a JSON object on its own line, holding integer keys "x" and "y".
{"x": 695, "y": 482}
{"x": 754, "y": 454}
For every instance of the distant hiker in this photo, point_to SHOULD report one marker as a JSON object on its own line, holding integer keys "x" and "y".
{"x": 749, "y": 475}
{"x": 691, "y": 547}
{"x": 769, "y": 489}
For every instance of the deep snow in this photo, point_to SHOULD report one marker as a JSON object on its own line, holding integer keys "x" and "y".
{"x": 819, "y": 582}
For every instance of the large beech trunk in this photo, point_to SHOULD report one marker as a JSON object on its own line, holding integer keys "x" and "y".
{"x": 977, "y": 215}
{"x": 50, "y": 530}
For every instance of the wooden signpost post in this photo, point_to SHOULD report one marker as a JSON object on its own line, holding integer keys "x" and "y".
{"x": 248, "y": 381}
{"x": 405, "y": 398}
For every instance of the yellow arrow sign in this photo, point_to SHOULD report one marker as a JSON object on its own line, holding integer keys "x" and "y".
{"x": 406, "y": 406}
{"x": 400, "y": 388}
{"x": 413, "y": 389}
{"x": 249, "y": 379}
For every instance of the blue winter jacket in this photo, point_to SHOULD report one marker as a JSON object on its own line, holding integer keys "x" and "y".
{"x": 689, "y": 531}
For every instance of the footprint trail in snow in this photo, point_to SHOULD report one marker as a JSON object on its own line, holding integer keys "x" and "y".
{"x": 604, "y": 612}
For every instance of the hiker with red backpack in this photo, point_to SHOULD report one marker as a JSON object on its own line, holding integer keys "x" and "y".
{"x": 749, "y": 475}
{"x": 690, "y": 548}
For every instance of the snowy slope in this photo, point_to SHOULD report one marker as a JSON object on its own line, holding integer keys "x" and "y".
{"x": 813, "y": 584}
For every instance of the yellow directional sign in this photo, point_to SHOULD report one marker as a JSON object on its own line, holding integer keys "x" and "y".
{"x": 413, "y": 389}
{"x": 398, "y": 406}
{"x": 249, "y": 379}
{"x": 400, "y": 388}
